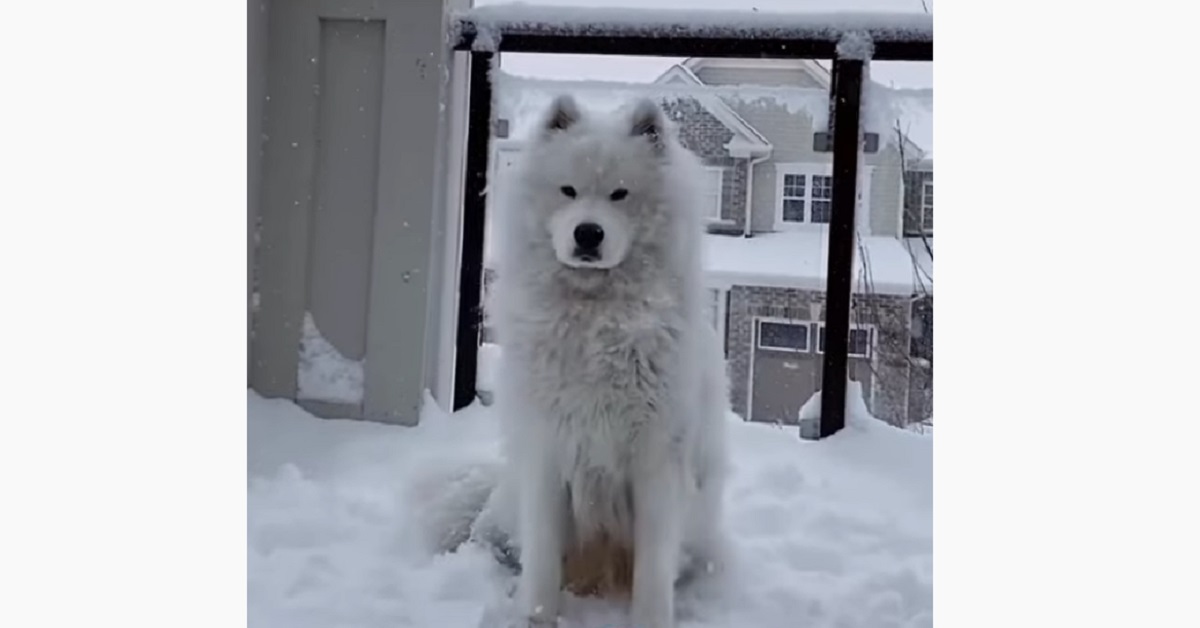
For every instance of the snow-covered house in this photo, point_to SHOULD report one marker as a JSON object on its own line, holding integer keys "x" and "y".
{"x": 760, "y": 126}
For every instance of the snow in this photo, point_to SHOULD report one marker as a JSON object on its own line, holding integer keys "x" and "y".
{"x": 910, "y": 109}
{"x": 324, "y": 373}
{"x": 832, "y": 533}
{"x": 523, "y": 101}
{"x": 798, "y": 259}
{"x": 493, "y": 22}
{"x": 488, "y": 365}
{"x": 856, "y": 45}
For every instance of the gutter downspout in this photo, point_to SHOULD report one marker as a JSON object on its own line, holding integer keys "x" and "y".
{"x": 746, "y": 232}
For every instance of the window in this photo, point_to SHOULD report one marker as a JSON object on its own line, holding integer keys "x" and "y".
{"x": 777, "y": 336}
{"x": 793, "y": 197}
{"x": 806, "y": 194}
{"x": 812, "y": 190}
{"x": 927, "y": 205}
{"x": 712, "y": 191}
{"x": 860, "y": 341}
{"x": 822, "y": 193}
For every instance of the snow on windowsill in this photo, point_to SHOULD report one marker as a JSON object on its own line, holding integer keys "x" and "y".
{"x": 492, "y": 22}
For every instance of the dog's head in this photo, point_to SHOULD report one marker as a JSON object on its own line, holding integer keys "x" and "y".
{"x": 595, "y": 181}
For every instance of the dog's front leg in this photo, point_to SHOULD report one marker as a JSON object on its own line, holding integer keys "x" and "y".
{"x": 543, "y": 511}
{"x": 656, "y": 543}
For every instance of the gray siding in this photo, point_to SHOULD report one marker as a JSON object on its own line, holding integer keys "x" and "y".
{"x": 886, "y": 218}
{"x": 791, "y": 134}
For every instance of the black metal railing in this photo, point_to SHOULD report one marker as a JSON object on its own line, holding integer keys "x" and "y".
{"x": 887, "y": 37}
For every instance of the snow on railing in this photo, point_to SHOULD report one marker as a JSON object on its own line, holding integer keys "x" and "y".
{"x": 618, "y": 22}
{"x": 485, "y": 28}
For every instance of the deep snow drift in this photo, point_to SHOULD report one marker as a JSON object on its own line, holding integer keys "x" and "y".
{"x": 836, "y": 533}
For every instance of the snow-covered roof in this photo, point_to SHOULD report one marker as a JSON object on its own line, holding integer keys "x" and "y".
{"x": 682, "y": 75}
{"x": 814, "y": 68}
{"x": 799, "y": 259}
{"x": 489, "y": 22}
{"x": 523, "y": 100}
{"x": 911, "y": 109}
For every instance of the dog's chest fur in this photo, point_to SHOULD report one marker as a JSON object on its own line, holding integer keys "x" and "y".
{"x": 597, "y": 376}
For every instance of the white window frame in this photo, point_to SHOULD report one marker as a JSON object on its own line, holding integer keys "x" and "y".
{"x": 713, "y": 214}
{"x": 714, "y": 294}
{"x": 501, "y": 149}
{"x": 808, "y": 334}
{"x": 926, "y": 189}
{"x": 872, "y": 338}
{"x": 808, "y": 170}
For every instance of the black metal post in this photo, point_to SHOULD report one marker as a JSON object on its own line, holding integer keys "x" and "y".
{"x": 847, "y": 142}
{"x": 470, "y": 281}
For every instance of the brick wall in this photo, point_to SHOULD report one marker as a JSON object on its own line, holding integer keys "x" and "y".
{"x": 889, "y": 314}
{"x": 705, "y": 135}
{"x": 920, "y": 393}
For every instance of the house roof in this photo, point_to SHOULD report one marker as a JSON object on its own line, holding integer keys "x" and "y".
{"x": 814, "y": 69}
{"x": 680, "y": 74}
{"x": 522, "y": 101}
{"x": 799, "y": 259}
{"x": 887, "y": 107}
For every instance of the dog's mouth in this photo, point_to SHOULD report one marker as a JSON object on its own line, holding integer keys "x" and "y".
{"x": 587, "y": 256}
{"x": 587, "y": 259}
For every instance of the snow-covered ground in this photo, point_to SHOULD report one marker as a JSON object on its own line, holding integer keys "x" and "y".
{"x": 836, "y": 533}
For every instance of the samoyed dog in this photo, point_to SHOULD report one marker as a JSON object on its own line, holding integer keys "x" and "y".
{"x": 613, "y": 392}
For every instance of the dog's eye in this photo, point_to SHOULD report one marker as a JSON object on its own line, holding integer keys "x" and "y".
{"x": 568, "y": 191}
{"x": 619, "y": 194}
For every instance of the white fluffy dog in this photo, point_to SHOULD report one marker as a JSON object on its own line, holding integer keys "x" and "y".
{"x": 613, "y": 392}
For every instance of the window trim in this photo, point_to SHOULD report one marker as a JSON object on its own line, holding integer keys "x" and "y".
{"x": 714, "y": 214}
{"x": 719, "y": 296}
{"x": 872, "y": 336}
{"x": 926, "y": 187}
{"x": 808, "y": 169}
{"x": 808, "y": 334}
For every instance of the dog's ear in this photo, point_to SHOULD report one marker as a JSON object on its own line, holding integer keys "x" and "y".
{"x": 647, "y": 120}
{"x": 563, "y": 114}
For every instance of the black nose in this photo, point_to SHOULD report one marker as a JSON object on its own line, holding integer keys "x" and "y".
{"x": 589, "y": 235}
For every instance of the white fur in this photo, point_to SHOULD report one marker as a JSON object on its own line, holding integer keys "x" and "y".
{"x": 613, "y": 394}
